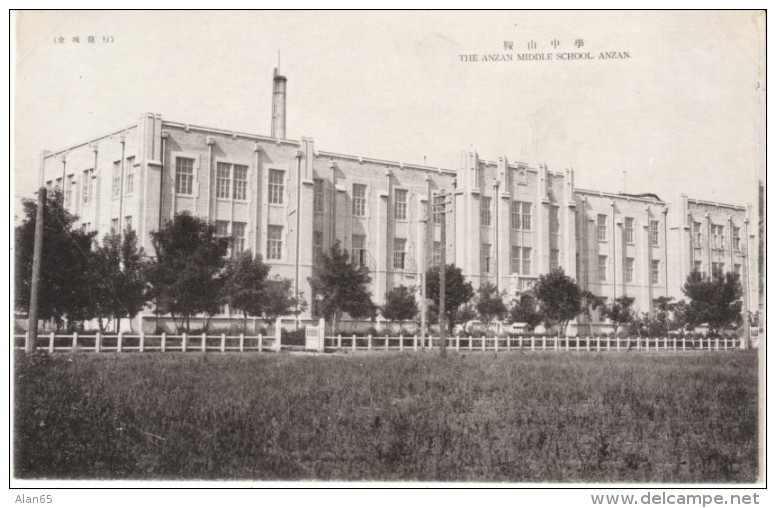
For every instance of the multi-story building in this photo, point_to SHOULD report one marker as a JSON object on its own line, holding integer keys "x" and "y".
{"x": 508, "y": 222}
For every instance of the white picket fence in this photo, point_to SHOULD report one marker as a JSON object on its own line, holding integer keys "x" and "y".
{"x": 414, "y": 343}
{"x": 142, "y": 343}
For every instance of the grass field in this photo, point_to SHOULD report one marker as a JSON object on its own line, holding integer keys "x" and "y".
{"x": 613, "y": 417}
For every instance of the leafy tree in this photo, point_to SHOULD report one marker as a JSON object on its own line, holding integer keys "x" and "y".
{"x": 457, "y": 292}
{"x": 560, "y": 299}
{"x": 490, "y": 304}
{"x": 714, "y": 299}
{"x": 67, "y": 275}
{"x": 619, "y": 312}
{"x": 120, "y": 285}
{"x": 245, "y": 285}
{"x": 278, "y": 299}
{"x": 339, "y": 286}
{"x": 185, "y": 278}
{"x": 525, "y": 310}
{"x": 400, "y": 305}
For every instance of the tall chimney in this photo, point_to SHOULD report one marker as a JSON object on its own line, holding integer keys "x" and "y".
{"x": 278, "y": 106}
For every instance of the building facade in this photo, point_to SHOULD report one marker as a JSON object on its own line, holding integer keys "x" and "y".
{"x": 507, "y": 222}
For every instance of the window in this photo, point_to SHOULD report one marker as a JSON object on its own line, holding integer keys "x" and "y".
{"x": 485, "y": 216}
{"x": 86, "y": 186}
{"x": 359, "y": 200}
{"x": 437, "y": 254}
{"x": 116, "y": 179}
{"x": 602, "y": 267}
{"x": 222, "y": 229}
{"x": 554, "y": 220}
{"x": 274, "y": 241}
{"x": 629, "y": 229}
{"x": 399, "y": 253}
{"x": 486, "y": 259}
{"x": 238, "y": 237}
{"x": 240, "y": 189}
{"x": 526, "y": 222}
{"x": 184, "y": 175}
{"x": 276, "y": 186}
{"x": 736, "y": 239}
{"x": 718, "y": 235}
{"x": 554, "y": 259}
{"x": 317, "y": 246}
{"x": 514, "y": 215}
{"x": 318, "y": 195}
{"x": 127, "y": 223}
{"x": 114, "y": 226}
{"x": 654, "y": 233}
{"x": 223, "y": 180}
{"x": 526, "y": 261}
{"x": 629, "y": 262}
{"x": 601, "y": 227}
{"x": 696, "y": 231}
{"x": 359, "y": 250}
{"x": 438, "y": 208}
{"x": 515, "y": 260}
{"x": 69, "y": 191}
{"x": 655, "y": 271}
{"x": 130, "y": 176}
{"x": 698, "y": 266}
{"x": 400, "y": 205}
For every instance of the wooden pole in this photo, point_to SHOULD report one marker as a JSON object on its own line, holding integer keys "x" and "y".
{"x": 442, "y": 270}
{"x": 37, "y": 256}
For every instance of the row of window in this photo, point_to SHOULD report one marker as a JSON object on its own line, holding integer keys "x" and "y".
{"x": 629, "y": 269}
{"x": 716, "y": 267}
{"x": 129, "y": 178}
{"x": 654, "y": 230}
{"x": 717, "y": 236}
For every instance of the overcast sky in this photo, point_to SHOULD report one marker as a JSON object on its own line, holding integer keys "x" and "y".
{"x": 685, "y": 113}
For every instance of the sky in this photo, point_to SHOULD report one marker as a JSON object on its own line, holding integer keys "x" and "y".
{"x": 685, "y": 112}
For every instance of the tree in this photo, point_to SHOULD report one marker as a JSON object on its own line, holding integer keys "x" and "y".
{"x": 525, "y": 310}
{"x": 457, "y": 292}
{"x": 185, "y": 278}
{"x": 619, "y": 312}
{"x": 67, "y": 275}
{"x": 278, "y": 299}
{"x": 400, "y": 305}
{"x": 714, "y": 300}
{"x": 560, "y": 299}
{"x": 490, "y": 304}
{"x": 245, "y": 284}
{"x": 340, "y": 286}
{"x": 120, "y": 285}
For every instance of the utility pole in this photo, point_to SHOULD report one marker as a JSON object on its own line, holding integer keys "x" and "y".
{"x": 37, "y": 255}
{"x": 428, "y": 236}
{"x": 442, "y": 269}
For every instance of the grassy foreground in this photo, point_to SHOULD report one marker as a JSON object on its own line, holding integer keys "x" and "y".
{"x": 479, "y": 417}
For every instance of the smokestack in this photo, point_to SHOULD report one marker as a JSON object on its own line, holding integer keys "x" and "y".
{"x": 278, "y": 106}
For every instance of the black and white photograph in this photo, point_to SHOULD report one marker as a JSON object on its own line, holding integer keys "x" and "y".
{"x": 389, "y": 248}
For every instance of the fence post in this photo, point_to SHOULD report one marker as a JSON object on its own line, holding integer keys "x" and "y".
{"x": 142, "y": 341}
{"x": 321, "y": 335}
{"x": 509, "y": 343}
{"x": 415, "y": 342}
{"x": 75, "y": 341}
{"x": 725, "y": 343}
{"x": 51, "y": 342}
{"x": 223, "y": 342}
{"x": 598, "y": 343}
{"x": 684, "y": 343}
{"x": 495, "y": 344}
{"x": 520, "y": 342}
{"x": 544, "y": 343}
{"x": 674, "y": 342}
{"x": 567, "y": 342}
{"x": 587, "y": 343}
{"x": 353, "y": 343}
{"x": 387, "y": 342}
{"x": 261, "y": 342}
{"x": 608, "y": 343}
{"x": 482, "y": 343}
{"x": 555, "y": 343}
{"x": 278, "y": 334}
{"x": 401, "y": 342}
{"x": 120, "y": 342}
{"x": 458, "y": 343}
{"x": 369, "y": 342}
{"x": 716, "y": 344}
{"x": 184, "y": 342}
{"x": 646, "y": 341}
{"x": 97, "y": 340}
{"x": 164, "y": 341}
{"x": 242, "y": 342}
{"x": 533, "y": 343}
{"x": 339, "y": 341}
